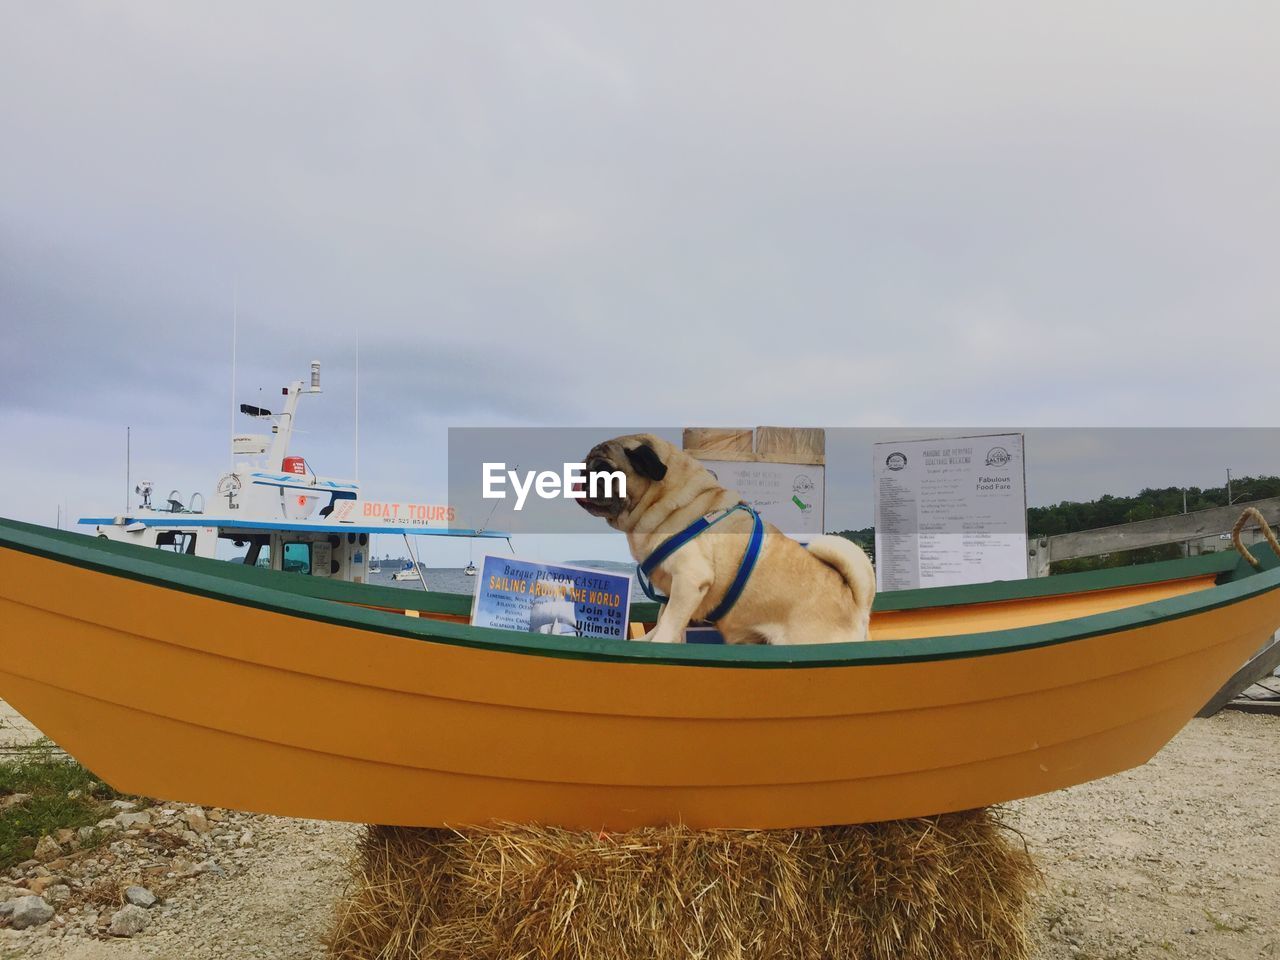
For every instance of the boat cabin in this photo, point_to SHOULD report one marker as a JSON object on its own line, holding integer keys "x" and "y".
{"x": 274, "y": 510}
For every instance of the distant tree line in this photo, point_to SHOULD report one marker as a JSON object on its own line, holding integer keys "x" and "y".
{"x": 865, "y": 538}
{"x": 1072, "y": 516}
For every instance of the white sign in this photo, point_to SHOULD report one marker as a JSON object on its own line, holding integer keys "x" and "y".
{"x": 321, "y": 558}
{"x": 950, "y": 511}
{"x": 791, "y": 496}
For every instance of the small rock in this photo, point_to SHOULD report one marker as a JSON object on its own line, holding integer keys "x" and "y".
{"x": 12, "y": 893}
{"x": 38, "y": 885}
{"x": 128, "y": 921}
{"x": 140, "y": 897}
{"x": 208, "y": 866}
{"x": 64, "y": 836}
{"x": 123, "y": 806}
{"x": 196, "y": 820}
{"x": 13, "y": 799}
{"x": 47, "y": 849}
{"x": 58, "y": 893}
{"x": 85, "y": 834}
{"x": 30, "y": 912}
{"x": 214, "y": 816}
{"x": 126, "y": 821}
{"x": 246, "y": 839}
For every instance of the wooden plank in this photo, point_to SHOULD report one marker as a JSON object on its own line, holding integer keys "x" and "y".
{"x": 1261, "y": 665}
{"x": 1266, "y": 707}
{"x": 1152, "y": 533}
{"x": 711, "y": 443}
{"x": 750, "y": 458}
{"x": 800, "y": 445}
{"x": 796, "y": 444}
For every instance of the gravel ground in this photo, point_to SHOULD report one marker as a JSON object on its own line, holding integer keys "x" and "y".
{"x": 1176, "y": 859}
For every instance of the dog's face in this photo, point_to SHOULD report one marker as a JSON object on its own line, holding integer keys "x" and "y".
{"x": 640, "y": 457}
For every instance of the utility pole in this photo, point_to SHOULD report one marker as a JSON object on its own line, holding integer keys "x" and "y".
{"x": 1186, "y": 544}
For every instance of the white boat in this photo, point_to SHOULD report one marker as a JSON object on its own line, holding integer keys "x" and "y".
{"x": 273, "y": 506}
{"x": 374, "y": 568}
{"x": 408, "y": 572}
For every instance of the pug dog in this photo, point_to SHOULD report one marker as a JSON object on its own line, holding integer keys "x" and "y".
{"x": 819, "y": 595}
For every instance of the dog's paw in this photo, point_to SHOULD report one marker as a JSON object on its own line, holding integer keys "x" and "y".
{"x": 659, "y": 636}
{"x": 656, "y": 636}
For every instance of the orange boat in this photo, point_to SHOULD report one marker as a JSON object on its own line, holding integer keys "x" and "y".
{"x": 214, "y": 683}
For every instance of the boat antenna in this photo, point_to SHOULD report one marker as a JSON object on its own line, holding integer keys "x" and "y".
{"x": 128, "y": 467}
{"x": 235, "y": 325}
{"x": 357, "y": 404}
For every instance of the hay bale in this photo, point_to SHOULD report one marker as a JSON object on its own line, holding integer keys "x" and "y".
{"x": 953, "y": 886}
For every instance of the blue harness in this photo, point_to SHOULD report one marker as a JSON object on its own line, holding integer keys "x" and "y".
{"x": 671, "y": 545}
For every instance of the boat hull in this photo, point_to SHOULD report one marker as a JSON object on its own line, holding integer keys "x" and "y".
{"x": 236, "y": 700}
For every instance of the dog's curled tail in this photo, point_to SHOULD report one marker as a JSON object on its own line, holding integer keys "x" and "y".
{"x": 848, "y": 560}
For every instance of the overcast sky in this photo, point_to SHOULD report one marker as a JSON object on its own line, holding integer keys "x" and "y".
{"x": 822, "y": 214}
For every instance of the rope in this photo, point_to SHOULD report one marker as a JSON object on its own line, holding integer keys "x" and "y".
{"x": 1253, "y": 513}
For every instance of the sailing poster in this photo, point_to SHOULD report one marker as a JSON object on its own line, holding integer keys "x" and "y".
{"x": 551, "y": 599}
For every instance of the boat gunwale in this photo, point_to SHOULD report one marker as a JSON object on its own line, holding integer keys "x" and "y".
{"x": 1222, "y": 564}
{"x": 1244, "y": 585}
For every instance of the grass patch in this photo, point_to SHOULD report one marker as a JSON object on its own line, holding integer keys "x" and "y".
{"x": 1223, "y": 926}
{"x": 62, "y": 794}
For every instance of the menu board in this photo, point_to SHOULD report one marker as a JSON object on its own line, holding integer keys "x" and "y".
{"x": 789, "y": 495}
{"x": 950, "y": 511}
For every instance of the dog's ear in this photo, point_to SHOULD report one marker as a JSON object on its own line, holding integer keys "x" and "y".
{"x": 646, "y": 462}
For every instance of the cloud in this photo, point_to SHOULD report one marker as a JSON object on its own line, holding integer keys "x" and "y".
{"x": 573, "y": 214}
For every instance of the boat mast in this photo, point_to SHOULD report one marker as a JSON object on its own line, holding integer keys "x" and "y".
{"x": 416, "y": 565}
{"x": 284, "y": 425}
